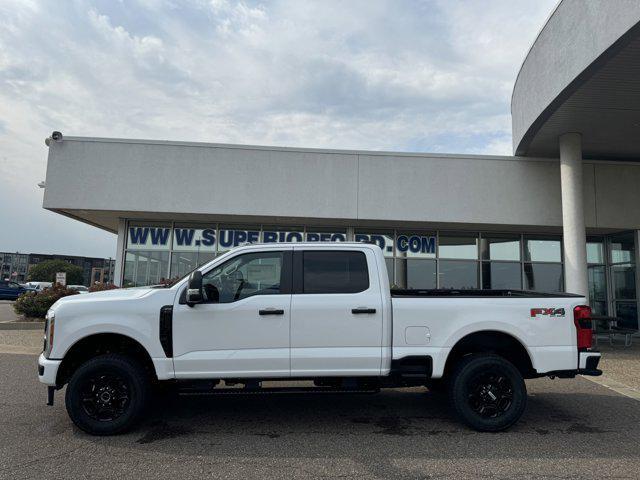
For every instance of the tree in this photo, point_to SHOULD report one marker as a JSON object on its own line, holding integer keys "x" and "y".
{"x": 46, "y": 272}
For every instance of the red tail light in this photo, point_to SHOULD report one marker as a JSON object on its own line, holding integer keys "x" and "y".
{"x": 582, "y": 320}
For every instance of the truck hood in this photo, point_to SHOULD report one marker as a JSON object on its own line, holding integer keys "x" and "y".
{"x": 106, "y": 296}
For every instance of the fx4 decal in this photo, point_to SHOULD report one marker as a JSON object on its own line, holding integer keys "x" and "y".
{"x": 550, "y": 312}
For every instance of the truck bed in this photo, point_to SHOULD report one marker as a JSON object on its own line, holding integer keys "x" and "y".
{"x": 477, "y": 293}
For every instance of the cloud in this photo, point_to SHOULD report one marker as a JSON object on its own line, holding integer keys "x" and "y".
{"x": 416, "y": 75}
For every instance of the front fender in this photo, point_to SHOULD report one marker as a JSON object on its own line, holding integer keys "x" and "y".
{"x": 75, "y": 329}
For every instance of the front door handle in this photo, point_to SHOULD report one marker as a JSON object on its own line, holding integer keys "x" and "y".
{"x": 363, "y": 310}
{"x": 271, "y": 311}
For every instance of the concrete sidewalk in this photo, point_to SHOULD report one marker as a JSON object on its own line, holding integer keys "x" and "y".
{"x": 10, "y": 320}
{"x": 622, "y": 364}
{"x": 6, "y": 312}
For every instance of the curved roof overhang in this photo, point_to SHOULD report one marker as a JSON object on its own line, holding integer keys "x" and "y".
{"x": 582, "y": 74}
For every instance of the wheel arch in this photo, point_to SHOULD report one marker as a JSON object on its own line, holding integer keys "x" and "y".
{"x": 95, "y": 344}
{"x": 493, "y": 341}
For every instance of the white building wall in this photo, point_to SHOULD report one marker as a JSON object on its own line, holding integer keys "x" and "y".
{"x": 99, "y": 181}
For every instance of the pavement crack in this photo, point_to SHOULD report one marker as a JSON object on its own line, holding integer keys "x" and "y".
{"x": 41, "y": 459}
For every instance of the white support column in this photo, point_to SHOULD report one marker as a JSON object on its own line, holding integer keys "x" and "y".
{"x": 573, "y": 227}
{"x": 121, "y": 241}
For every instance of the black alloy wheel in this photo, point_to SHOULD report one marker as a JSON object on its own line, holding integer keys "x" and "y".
{"x": 107, "y": 394}
{"x": 105, "y": 397}
{"x": 488, "y": 392}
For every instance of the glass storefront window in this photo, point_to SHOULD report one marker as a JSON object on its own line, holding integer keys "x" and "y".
{"x": 205, "y": 257}
{"x": 145, "y": 268}
{"x": 595, "y": 252}
{"x": 623, "y": 248}
{"x": 501, "y": 275}
{"x": 542, "y": 250}
{"x": 141, "y": 236}
{"x": 627, "y": 312}
{"x": 458, "y": 247}
{"x": 543, "y": 277}
{"x": 458, "y": 274}
{"x": 325, "y": 235}
{"x": 182, "y": 263}
{"x": 597, "y": 289}
{"x": 383, "y": 239}
{"x": 389, "y": 263}
{"x": 623, "y": 277}
{"x": 416, "y": 244}
{"x": 416, "y": 274}
{"x": 273, "y": 234}
{"x": 500, "y": 248}
{"x": 231, "y": 236}
{"x": 195, "y": 239}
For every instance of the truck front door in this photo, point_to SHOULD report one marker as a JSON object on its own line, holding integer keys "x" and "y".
{"x": 242, "y": 328}
{"x": 336, "y": 313}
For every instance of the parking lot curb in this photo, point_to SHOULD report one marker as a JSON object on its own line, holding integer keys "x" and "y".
{"x": 21, "y": 325}
{"x": 617, "y": 387}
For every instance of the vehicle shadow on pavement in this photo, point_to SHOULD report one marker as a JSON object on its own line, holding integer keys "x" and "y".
{"x": 394, "y": 422}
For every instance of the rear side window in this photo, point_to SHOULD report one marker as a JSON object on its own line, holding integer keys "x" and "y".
{"x": 334, "y": 272}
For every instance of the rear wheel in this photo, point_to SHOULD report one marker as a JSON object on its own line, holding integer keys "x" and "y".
{"x": 106, "y": 395}
{"x": 488, "y": 392}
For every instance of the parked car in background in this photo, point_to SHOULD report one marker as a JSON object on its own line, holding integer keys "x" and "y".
{"x": 78, "y": 288}
{"x": 10, "y": 290}
{"x": 37, "y": 286}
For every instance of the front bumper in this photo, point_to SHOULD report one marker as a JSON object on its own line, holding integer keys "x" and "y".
{"x": 48, "y": 370}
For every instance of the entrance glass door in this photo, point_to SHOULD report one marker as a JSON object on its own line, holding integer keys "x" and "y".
{"x": 623, "y": 279}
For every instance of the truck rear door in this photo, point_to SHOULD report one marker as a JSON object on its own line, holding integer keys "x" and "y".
{"x": 336, "y": 312}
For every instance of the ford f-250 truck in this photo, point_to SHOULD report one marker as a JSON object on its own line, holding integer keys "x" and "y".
{"x": 320, "y": 312}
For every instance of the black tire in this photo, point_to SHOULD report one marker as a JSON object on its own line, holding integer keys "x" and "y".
{"x": 439, "y": 386}
{"x": 488, "y": 392}
{"x": 107, "y": 394}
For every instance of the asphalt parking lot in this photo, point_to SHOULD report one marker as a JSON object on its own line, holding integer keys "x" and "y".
{"x": 571, "y": 429}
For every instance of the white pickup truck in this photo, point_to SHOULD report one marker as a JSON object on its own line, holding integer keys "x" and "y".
{"x": 309, "y": 311}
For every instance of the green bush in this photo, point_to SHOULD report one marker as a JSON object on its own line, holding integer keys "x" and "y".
{"x": 36, "y": 304}
{"x": 100, "y": 287}
{"x": 46, "y": 272}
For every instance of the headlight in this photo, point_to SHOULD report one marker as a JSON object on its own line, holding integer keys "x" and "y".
{"x": 49, "y": 329}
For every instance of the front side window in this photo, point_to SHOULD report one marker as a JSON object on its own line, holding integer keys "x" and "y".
{"x": 244, "y": 276}
{"x": 334, "y": 272}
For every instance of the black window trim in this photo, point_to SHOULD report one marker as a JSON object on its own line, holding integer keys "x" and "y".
{"x": 298, "y": 271}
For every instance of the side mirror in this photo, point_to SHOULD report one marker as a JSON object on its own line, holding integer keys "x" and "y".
{"x": 194, "y": 289}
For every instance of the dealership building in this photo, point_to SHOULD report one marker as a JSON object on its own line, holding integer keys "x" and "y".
{"x": 562, "y": 213}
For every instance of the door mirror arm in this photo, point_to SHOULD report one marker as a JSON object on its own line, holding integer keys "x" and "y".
{"x": 194, "y": 289}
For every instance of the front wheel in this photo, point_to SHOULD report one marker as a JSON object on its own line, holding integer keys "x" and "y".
{"x": 106, "y": 395}
{"x": 488, "y": 392}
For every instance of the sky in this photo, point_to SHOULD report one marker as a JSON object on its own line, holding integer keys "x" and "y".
{"x": 419, "y": 76}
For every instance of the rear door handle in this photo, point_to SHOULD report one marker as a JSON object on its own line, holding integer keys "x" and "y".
{"x": 363, "y": 310}
{"x": 271, "y": 311}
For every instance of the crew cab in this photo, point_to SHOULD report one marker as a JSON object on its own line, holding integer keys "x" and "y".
{"x": 309, "y": 311}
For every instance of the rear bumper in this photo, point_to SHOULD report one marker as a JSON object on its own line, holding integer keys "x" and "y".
{"x": 48, "y": 370}
{"x": 588, "y": 363}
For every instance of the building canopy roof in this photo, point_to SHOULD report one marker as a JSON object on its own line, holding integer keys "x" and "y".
{"x": 582, "y": 74}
